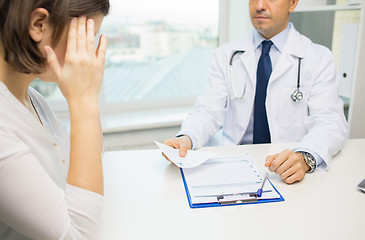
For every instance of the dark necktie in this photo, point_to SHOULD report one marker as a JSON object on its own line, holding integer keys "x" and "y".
{"x": 261, "y": 132}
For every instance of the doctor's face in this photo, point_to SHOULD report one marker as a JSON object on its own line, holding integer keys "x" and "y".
{"x": 270, "y": 17}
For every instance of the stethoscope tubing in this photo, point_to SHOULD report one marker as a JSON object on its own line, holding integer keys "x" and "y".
{"x": 298, "y": 79}
{"x": 296, "y": 94}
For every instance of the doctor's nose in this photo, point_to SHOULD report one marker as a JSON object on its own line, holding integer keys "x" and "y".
{"x": 261, "y": 5}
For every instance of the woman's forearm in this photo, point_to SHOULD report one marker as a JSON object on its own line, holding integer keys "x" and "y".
{"x": 85, "y": 169}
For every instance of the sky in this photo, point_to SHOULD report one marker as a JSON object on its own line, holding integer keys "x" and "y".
{"x": 172, "y": 11}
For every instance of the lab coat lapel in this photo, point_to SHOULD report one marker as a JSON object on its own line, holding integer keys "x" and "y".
{"x": 285, "y": 62}
{"x": 290, "y": 54}
{"x": 248, "y": 58}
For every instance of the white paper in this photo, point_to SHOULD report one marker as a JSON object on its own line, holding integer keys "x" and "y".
{"x": 230, "y": 176}
{"x": 191, "y": 160}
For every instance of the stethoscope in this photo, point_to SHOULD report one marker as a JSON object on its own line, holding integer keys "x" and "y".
{"x": 296, "y": 95}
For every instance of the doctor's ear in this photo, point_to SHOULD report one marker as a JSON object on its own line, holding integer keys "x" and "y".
{"x": 293, "y": 5}
{"x": 39, "y": 24}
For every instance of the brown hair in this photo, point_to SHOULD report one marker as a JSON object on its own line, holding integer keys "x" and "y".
{"x": 21, "y": 52}
{"x": 88, "y": 7}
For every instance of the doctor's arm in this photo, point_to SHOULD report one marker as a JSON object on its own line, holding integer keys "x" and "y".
{"x": 325, "y": 124}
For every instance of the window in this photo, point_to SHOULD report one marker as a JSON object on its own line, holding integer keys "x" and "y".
{"x": 159, "y": 51}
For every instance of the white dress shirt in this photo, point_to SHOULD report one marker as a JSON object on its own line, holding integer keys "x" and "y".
{"x": 35, "y": 200}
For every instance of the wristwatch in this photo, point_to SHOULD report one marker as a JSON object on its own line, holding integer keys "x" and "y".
{"x": 309, "y": 159}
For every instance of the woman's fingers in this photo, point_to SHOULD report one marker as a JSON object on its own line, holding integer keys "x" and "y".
{"x": 81, "y": 35}
{"x": 90, "y": 37}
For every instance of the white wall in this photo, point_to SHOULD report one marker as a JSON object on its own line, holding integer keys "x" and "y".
{"x": 357, "y": 104}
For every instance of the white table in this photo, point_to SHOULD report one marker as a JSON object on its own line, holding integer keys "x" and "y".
{"x": 145, "y": 199}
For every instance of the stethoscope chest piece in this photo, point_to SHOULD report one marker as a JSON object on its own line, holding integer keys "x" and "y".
{"x": 296, "y": 95}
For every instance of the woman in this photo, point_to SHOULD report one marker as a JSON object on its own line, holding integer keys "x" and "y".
{"x": 51, "y": 184}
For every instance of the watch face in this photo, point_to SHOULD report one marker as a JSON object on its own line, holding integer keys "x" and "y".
{"x": 310, "y": 160}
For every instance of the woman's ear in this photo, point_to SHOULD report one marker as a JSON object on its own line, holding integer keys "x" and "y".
{"x": 39, "y": 24}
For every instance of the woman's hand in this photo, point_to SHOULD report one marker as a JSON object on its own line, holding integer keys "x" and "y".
{"x": 80, "y": 78}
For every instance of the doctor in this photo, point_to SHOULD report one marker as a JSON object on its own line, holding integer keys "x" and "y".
{"x": 273, "y": 85}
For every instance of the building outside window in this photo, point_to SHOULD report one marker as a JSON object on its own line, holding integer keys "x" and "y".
{"x": 159, "y": 51}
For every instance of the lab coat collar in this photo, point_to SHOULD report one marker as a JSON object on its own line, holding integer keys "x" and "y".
{"x": 294, "y": 45}
{"x": 292, "y": 51}
{"x": 246, "y": 44}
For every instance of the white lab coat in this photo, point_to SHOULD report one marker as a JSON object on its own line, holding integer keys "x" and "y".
{"x": 317, "y": 121}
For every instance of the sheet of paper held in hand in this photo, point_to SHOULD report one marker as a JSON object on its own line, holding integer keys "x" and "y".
{"x": 191, "y": 160}
{"x": 229, "y": 176}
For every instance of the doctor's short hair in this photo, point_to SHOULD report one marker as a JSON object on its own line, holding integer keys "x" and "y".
{"x": 20, "y": 51}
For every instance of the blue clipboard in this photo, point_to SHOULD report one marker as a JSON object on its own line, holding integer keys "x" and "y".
{"x": 217, "y": 204}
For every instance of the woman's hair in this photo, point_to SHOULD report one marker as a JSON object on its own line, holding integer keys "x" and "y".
{"x": 88, "y": 7}
{"x": 21, "y": 52}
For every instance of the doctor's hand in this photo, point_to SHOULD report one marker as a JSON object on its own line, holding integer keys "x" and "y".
{"x": 289, "y": 165}
{"x": 182, "y": 143}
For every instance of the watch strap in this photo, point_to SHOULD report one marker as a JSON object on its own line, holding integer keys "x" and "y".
{"x": 310, "y": 161}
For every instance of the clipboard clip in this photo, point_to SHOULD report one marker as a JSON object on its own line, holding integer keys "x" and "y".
{"x": 237, "y": 199}
{"x": 242, "y": 197}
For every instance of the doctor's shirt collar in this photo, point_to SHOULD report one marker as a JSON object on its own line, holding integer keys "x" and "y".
{"x": 279, "y": 40}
